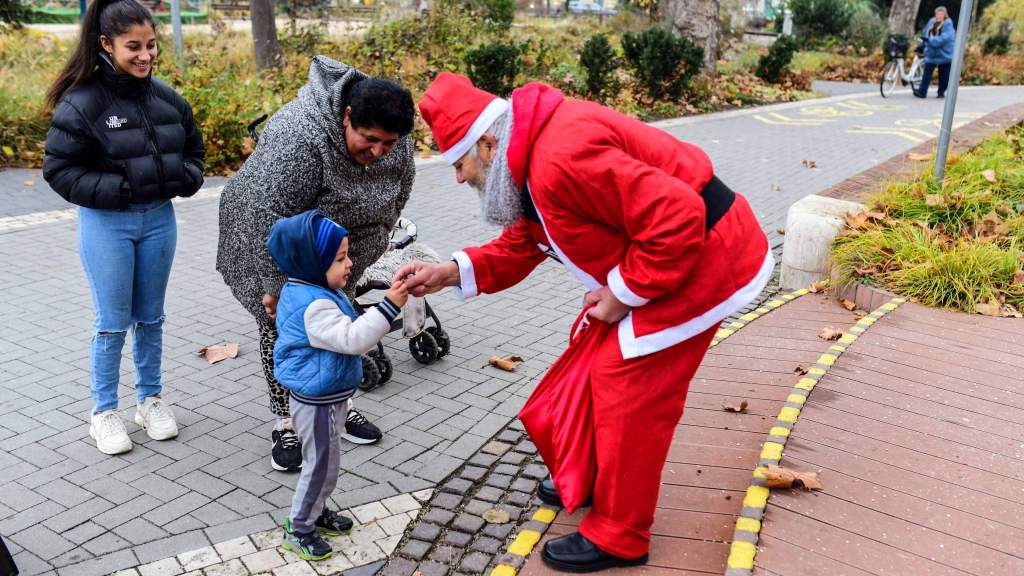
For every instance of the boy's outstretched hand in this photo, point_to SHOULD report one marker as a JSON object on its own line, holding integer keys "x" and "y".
{"x": 398, "y": 293}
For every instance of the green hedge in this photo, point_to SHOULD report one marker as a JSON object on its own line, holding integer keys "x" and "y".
{"x": 70, "y": 16}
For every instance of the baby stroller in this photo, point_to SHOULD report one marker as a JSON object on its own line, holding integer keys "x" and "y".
{"x": 427, "y": 344}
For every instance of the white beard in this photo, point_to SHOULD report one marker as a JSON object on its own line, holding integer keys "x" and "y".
{"x": 501, "y": 200}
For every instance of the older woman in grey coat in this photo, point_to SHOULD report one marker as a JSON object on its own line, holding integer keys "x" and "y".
{"x": 343, "y": 147}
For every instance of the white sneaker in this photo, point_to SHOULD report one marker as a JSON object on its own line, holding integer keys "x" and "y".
{"x": 156, "y": 418}
{"x": 107, "y": 429}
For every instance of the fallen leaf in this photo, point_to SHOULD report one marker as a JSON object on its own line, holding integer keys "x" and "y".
{"x": 810, "y": 164}
{"x": 990, "y": 308}
{"x": 851, "y": 306}
{"x": 935, "y": 200}
{"x": 495, "y": 516}
{"x": 729, "y": 407}
{"x": 506, "y": 363}
{"x": 990, "y": 175}
{"x": 800, "y": 370}
{"x": 1018, "y": 277}
{"x": 781, "y": 231}
{"x": 858, "y": 220}
{"x": 779, "y": 477}
{"x": 918, "y": 157}
{"x": 29, "y": 183}
{"x": 214, "y": 354}
{"x": 830, "y": 333}
{"x": 776, "y": 188}
{"x": 818, "y": 286}
{"x": 876, "y": 216}
{"x": 859, "y": 313}
{"x": 1010, "y": 312}
{"x": 8, "y": 151}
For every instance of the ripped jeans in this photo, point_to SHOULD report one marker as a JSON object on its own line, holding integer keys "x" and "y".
{"x": 127, "y": 257}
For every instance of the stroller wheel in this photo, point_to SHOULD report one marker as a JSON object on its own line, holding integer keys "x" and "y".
{"x": 424, "y": 348}
{"x": 383, "y": 366}
{"x": 444, "y": 343}
{"x": 371, "y": 374}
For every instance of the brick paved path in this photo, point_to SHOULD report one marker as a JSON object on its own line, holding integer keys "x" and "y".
{"x": 67, "y": 507}
{"x": 915, "y": 431}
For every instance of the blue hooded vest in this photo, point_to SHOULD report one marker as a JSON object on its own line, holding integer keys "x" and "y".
{"x": 312, "y": 375}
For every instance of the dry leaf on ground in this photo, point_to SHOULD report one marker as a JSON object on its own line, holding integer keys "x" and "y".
{"x": 810, "y": 164}
{"x": 990, "y": 308}
{"x": 776, "y": 188}
{"x": 495, "y": 516}
{"x": 918, "y": 157}
{"x": 990, "y": 175}
{"x": 781, "y": 231}
{"x": 1018, "y": 277}
{"x": 730, "y": 407}
{"x": 858, "y": 220}
{"x": 830, "y": 333}
{"x": 860, "y": 313}
{"x": 935, "y": 200}
{"x": 851, "y": 306}
{"x": 214, "y": 354}
{"x": 800, "y": 370}
{"x": 30, "y": 182}
{"x": 506, "y": 363}
{"x": 818, "y": 286}
{"x": 1010, "y": 312}
{"x": 779, "y": 477}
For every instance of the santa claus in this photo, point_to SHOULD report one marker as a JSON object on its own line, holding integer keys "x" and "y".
{"x": 664, "y": 249}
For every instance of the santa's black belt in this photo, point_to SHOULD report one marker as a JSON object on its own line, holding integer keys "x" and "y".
{"x": 718, "y": 198}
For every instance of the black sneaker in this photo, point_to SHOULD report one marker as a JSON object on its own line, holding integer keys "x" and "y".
{"x": 330, "y": 523}
{"x": 359, "y": 430}
{"x": 286, "y": 455}
{"x": 308, "y": 546}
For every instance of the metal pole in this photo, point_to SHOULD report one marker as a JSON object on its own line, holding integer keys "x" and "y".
{"x": 81, "y": 9}
{"x": 179, "y": 50}
{"x": 951, "y": 91}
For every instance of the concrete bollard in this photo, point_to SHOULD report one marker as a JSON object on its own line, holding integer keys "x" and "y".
{"x": 811, "y": 224}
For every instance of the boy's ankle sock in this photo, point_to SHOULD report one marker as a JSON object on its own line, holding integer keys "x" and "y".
{"x": 283, "y": 423}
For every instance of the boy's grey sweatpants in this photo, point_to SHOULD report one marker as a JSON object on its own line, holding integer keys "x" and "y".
{"x": 319, "y": 428}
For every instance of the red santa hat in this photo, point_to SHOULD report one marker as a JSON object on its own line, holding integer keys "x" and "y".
{"x": 458, "y": 113}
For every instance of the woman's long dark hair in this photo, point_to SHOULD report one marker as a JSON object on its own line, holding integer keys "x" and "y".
{"x": 108, "y": 18}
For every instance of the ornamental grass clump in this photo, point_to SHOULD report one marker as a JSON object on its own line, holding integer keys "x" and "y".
{"x": 958, "y": 246}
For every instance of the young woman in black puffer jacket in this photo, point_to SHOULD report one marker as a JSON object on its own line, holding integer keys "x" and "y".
{"x": 121, "y": 145}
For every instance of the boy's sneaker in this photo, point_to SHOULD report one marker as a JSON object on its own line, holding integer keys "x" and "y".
{"x": 286, "y": 454}
{"x": 330, "y": 523}
{"x": 307, "y": 546}
{"x": 359, "y": 430}
{"x": 107, "y": 429}
{"x": 156, "y": 418}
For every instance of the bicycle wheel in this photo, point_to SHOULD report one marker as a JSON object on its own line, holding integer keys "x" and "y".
{"x": 916, "y": 74}
{"x": 890, "y": 78}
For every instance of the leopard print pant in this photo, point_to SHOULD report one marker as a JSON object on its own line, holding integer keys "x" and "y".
{"x": 278, "y": 394}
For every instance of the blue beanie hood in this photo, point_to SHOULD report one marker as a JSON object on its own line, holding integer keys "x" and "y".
{"x": 304, "y": 246}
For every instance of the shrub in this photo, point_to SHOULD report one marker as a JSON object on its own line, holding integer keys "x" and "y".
{"x": 820, "y": 19}
{"x": 494, "y": 67}
{"x": 13, "y": 13}
{"x": 772, "y": 66}
{"x": 661, "y": 62}
{"x": 1005, "y": 17}
{"x": 598, "y": 58}
{"x": 866, "y": 29}
{"x": 498, "y": 13}
{"x": 997, "y": 44}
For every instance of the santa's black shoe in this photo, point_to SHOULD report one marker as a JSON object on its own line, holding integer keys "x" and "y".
{"x": 549, "y": 495}
{"x": 574, "y": 553}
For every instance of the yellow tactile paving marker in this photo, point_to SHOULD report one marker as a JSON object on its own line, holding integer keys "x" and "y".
{"x": 748, "y": 526}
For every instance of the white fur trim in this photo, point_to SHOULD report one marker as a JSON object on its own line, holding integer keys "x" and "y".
{"x": 633, "y": 346}
{"x": 587, "y": 279}
{"x": 467, "y": 277}
{"x": 496, "y": 108}
{"x": 618, "y": 287}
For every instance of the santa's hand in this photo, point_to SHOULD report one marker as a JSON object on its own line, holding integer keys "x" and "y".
{"x": 607, "y": 308}
{"x": 426, "y": 278}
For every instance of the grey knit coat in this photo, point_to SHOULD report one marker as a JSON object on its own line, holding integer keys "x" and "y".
{"x": 300, "y": 163}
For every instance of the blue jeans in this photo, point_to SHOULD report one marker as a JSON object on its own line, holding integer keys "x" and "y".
{"x": 127, "y": 257}
{"x": 927, "y": 78}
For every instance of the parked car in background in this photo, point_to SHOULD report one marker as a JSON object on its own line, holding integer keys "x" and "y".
{"x": 590, "y": 7}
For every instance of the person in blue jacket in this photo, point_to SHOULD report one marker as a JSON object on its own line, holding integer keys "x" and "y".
{"x": 938, "y": 39}
{"x": 317, "y": 358}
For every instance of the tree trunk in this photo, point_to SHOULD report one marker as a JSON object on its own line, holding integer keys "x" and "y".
{"x": 264, "y": 33}
{"x": 698, "y": 21}
{"x": 902, "y": 16}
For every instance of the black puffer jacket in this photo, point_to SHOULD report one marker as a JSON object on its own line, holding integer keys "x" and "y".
{"x": 117, "y": 139}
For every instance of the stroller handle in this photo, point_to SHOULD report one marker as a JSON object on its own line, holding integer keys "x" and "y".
{"x": 251, "y": 128}
{"x": 406, "y": 227}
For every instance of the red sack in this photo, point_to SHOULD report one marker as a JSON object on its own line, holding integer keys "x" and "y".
{"x": 559, "y": 414}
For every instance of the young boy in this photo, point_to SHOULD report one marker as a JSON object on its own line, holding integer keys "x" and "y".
{"x": 317, "y": 358}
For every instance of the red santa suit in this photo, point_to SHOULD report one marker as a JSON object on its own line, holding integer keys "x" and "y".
{"x": 620, "y": 204}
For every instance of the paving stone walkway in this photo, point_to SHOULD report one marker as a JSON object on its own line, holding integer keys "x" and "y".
{"x": 69, "y": 510}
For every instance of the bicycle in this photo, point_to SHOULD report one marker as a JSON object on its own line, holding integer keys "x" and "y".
{"x": 895, "y": 71}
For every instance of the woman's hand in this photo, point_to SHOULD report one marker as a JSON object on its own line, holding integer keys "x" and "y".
{"x": 607, "y": 308}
